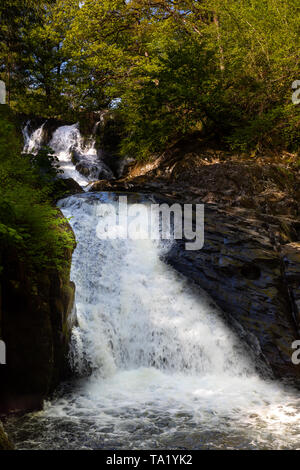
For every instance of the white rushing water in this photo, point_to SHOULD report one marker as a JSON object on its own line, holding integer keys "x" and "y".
{"x": 166, "y": 372}
{"x": 32, "y": 141}
{"x": 65, "y": 141}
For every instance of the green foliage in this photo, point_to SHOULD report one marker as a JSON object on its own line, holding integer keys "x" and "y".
{"x": 30, "y": 227}
{"x": 45, "y": 163}
{"x": 162, "y": 108}
{"x": 222, "y": 67}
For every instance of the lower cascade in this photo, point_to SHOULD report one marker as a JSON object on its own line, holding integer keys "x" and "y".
{"x": 157, "y": 367}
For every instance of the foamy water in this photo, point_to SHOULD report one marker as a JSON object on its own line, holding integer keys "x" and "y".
{"x": 165, "y": 371}
{"x": 65, "y": 140}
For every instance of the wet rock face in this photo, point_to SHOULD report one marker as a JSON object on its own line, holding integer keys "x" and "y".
{"x": 36, "y": 313}
{"x": 291, "y": 259}
{"x": 116, "y": 164}
{"x": 5, "y": 444}
{"x": 84, "y": 168}
{"x": 50, "y": 126}
{"x": 63, "y": 187}
{"x": 242, "y": 270}
{"x": 97, "y": 171}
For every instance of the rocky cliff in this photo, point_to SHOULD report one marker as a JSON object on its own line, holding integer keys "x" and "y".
{"x": 252, "y": 279}
{"x": 5, "y": 443}
{"x": 36, "y": 316}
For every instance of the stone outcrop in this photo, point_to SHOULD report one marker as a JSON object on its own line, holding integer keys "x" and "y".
{"x": 241, "y": 267}
{"x": 291, "y": 258}
{"x": 5, "y": 443}
{"x": 99, "y": 170}
{"x": 64, "y": 187}
{"x": 36, "y": 317}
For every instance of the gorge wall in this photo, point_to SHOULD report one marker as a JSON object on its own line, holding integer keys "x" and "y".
{"x": 5, "y": 443}
{"x": 36, "y": 315}
{"x": 240, "y": 267}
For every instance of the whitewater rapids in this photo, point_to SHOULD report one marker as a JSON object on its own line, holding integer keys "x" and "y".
{"x": 165, "y": 372}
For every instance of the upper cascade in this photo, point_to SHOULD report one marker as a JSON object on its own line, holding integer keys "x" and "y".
{"x": 77, "y": 155}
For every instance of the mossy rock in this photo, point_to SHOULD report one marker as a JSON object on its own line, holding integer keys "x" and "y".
{"x": 64, "y": 188}
{"x": 5, "y": 443}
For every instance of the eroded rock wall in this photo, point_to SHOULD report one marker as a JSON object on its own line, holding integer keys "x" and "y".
{"x": 36, "y": 319}
{"x": 5, "y": 443}
{"x": 242, "y": 268}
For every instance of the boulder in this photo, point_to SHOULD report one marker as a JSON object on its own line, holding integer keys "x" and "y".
{"x": 117, "y": 164}
{"x": 105, "y": 173}
{"x": 96, "y": 171}
{"x": 63, "y": 187}
{"x": 76, "y": 156}
{"x": 83, "y": 168}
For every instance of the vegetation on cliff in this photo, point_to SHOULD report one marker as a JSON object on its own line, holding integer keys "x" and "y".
{"x": 221, "y": 68}
{"x": 36, "y": 295}
{"x": 29, "y": 224}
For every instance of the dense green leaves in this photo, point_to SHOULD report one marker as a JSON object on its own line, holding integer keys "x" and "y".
{"x": 45, "y": 163}
{"x": 222, "y": 67}
{"x": 30, "y": 227}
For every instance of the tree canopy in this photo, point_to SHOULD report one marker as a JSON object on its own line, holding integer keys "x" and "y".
{"x": 221, "y": 67}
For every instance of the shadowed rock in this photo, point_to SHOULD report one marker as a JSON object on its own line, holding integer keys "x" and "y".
{"x": 242, "y": 270}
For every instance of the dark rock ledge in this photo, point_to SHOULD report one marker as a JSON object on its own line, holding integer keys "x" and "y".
{"x": 242, "y": 267}
{"x": 5, "y": 443}
{"x": 36, "y": 318}
{"x": 291, "y": 257}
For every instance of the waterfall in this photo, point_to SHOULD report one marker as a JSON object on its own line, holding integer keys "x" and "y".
{"x": 164, "y": 370}
{"x": 77, "y": 156}
{"x": 140, "y": 313}
{"x": 32, "y": 142}
{"x": 65, "y": 141}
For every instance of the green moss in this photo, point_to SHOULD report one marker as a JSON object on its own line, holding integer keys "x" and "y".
{"x": 29, "y": 224}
